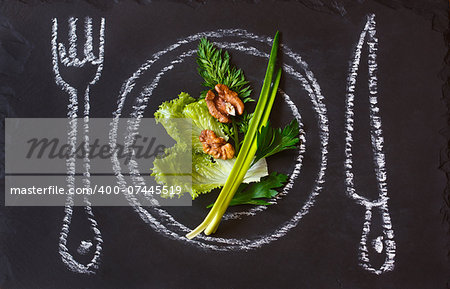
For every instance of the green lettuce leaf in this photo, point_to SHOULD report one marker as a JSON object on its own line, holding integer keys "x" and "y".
{"x": 170, "y": 112}
{"x": 206, "y": 174}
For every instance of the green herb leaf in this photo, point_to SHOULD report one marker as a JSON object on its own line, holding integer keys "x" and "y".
{"x": 257, "y": 193}
{"x": 244, "y": 122}
{"x": 215, "y": 67}
{"x": 274, "y": 140}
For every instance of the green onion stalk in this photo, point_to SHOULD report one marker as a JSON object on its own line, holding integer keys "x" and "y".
{"x": 248, "y": 148}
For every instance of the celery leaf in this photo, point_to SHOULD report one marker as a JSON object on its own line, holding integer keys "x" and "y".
{"x": 258, "y": 193}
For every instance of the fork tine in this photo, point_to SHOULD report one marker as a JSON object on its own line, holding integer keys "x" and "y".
{"x": 88, "y": 46}
{"x": 102, "y": 38}
{"x": 101, "y": 52}
{"x": 63, "y": 54}
{"x": 73, "y": 38}
{"x": 101, "y": 47}
{"x": 59, "y": 48}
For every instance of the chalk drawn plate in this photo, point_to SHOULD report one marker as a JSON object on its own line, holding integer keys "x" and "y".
{"x": 172, "y": 70}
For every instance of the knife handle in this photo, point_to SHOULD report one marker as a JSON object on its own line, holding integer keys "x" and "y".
{"x": 382, "y": 244}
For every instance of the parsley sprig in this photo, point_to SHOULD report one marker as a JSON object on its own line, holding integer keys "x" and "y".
{"x": 258, "y": 193}
{"x": 244, "y": 122}
{"x": 215, "y": 67}
{"x": 274, "y": 140}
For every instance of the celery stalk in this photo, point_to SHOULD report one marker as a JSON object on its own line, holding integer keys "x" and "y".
{"x": 247, "y": 151}
{"x": 212, "y": 227}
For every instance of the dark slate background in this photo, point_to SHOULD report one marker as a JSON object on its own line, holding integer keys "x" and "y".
{"x": 321, "y": 252}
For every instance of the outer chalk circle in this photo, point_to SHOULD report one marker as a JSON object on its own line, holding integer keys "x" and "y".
{"x": 311, "y": 86}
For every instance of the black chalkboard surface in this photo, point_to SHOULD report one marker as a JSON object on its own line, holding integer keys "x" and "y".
{"x": 367, "y": 203}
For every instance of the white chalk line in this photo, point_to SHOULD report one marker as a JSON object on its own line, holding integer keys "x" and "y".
{"x": 377, "y": 141}
{"x": 310, "y": 85}
{"x": 70, "y": 59}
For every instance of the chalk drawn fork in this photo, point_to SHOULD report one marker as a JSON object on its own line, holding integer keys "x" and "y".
{"x": 384, "y": 242}
{"x": 69, "y": 58}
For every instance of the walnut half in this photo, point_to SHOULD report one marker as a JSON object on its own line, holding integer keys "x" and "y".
{"x": 223, "y": 104}
{"x": 216, "y": 146}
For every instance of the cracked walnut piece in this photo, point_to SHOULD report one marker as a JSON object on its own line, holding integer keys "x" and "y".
{"x": 216, "y": 146}
{"x": 224, "y": 104}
